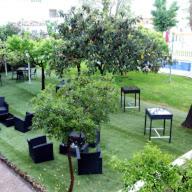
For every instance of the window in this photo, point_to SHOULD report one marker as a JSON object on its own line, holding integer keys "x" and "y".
{"x": 53, "y": 13}
{"x": 36, "y": 1}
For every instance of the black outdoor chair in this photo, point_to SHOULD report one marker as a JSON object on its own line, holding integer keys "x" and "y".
{"x": 20, "y": 75}
{"x": 40, "y": 150}
{"x": 4, "y": 107}
{"x": 97, "y": 139}
{"x": 89, "y": 163}
{"x": 23, "y": 125}
{"x": 60, "y": 85}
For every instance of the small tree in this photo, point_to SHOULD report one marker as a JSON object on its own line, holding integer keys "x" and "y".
{"x": 164, "y": 18}
{"x": 81, "y": 105}
{"x": 8, "y": 30}
{"x": 19, "y": 50}
{"x": 43, "y": 55}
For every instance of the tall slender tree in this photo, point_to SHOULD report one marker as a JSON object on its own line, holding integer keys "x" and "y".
{"x": 164, "y": 17}
{"x": 190, "y": 14}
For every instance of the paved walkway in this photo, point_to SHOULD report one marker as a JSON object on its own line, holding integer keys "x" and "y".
{"x": 10, "y": 182}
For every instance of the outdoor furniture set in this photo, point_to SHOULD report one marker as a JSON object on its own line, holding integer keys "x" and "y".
{"x": 22, "y": 73}
{"x": 88, "y": 162}
{"x": 152, "y": 113}
{"x": 40, "y": 150}
{"x": 9, "y": 120}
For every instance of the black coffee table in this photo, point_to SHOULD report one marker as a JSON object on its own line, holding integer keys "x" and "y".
{"x": 130, "y": 90}
{"x": 158, "y": 114}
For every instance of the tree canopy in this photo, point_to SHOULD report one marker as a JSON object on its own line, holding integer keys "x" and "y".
{"x": 8, "y": 30}
{"x": 81, "y": 105}
{"x": 163, "y": 17}
{"x": 106, "y": 43}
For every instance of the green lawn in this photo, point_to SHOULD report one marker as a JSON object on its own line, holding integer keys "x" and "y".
{"x": 122, "y": 137}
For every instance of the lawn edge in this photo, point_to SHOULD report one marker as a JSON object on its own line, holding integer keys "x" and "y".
{"x": 35, "y": 185}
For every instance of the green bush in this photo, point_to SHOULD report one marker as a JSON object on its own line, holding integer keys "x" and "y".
{"x": 154, "y": 168}
{"x": 152, "y": 49}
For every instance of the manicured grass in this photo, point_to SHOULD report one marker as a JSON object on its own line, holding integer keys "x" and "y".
{"x": 122, "y": 137}
{"x": 157, "y": 88}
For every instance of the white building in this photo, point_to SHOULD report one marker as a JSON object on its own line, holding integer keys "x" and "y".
{"x": 33, "y": 14}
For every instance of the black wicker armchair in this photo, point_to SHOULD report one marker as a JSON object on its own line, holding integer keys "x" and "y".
{"x": 23, "y": 125}
{"x": 40, "y": 150}
{"x": 4, "y": 107}
{"x": 89, "y": 163}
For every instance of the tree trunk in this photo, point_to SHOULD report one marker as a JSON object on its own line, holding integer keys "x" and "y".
{"x": 188, "y": 121}
{"x": 42, "y": 78}
{"x": 5, "y": 63}
{"x": 100, "y": 69}
{"x": 70, "y": 169}
{"x": 78, "y": 69}
{"x": 190, "y": 14}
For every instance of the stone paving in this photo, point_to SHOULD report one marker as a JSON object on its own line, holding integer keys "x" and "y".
{"x": 10, "y": 182}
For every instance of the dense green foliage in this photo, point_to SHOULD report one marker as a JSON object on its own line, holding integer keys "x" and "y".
{"x": 106, "y": 43}
{"x": 81, "y": 105}
{"x": 164, "y": 18}
{"x": 8, "y": 30}
{"x": 151, "y": 49}
{"x": 2, "y": 51}
{"x": 154, "y": 168}
{"x": 19, "y": 49}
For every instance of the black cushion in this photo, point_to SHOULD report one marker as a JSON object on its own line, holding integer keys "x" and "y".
{"x": 90, "y": 156}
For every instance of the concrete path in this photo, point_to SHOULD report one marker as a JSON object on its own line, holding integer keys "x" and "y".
{"x": 10, "y": 182}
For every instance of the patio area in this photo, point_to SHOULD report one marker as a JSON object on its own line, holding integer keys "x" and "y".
{"x": 122, "y": 137}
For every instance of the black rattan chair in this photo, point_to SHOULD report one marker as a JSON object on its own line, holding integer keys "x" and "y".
{"x": 20, "y": 75}
{"x": 4, "y": 107}
{"x": 89, "y": 163}
{"x": 23, "y": 125}
{"x": 40, "y": 150}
